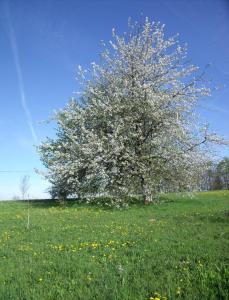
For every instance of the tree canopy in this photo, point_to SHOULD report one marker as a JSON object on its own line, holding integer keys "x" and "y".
{"x": 133, "y": 129}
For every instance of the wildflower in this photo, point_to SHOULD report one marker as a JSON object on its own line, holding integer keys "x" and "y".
{"x": 155, "y": 297}
{"x": 178, "y": 291}
{"x": 120, "y": 269}
{"x": 153, "y": 220}
{"x": 95, "y": 245}
{"x": 89, "y": 278}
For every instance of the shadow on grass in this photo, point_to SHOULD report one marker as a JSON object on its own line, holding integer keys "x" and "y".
{"x": 97, "y": 203}
{"x": 47, "y": 203}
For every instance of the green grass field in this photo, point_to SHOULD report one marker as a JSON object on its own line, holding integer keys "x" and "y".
{"x": 174, "y": 250}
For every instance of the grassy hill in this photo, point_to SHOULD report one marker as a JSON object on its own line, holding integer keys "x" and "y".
{"x": 174, "y": 250}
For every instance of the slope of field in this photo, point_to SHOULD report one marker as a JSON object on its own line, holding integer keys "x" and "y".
{"x": 174, "y": 250}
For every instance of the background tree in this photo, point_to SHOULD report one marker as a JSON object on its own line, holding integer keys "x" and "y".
{"x": 222, "y": 171}
{"x": 208, "y": 178}
{"x": 216, "y": 177}
{"x": 24, "y": 186}
{"x": 134, "y": 128}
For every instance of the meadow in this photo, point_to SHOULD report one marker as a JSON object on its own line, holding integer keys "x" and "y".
{"x": 177, "y": 249}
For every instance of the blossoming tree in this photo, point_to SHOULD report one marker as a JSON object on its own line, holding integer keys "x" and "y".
{"x": 133, "y": 129}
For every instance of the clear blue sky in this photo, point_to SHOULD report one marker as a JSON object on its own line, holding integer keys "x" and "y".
{"x": 43, "y": 42}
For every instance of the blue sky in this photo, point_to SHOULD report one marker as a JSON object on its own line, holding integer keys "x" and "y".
{"x": 43, "y": 42}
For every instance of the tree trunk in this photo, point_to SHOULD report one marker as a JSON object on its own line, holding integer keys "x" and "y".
{"x": 147, "y": 194}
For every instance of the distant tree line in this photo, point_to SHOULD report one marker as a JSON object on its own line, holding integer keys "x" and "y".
{"x": 217, "y": 176}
